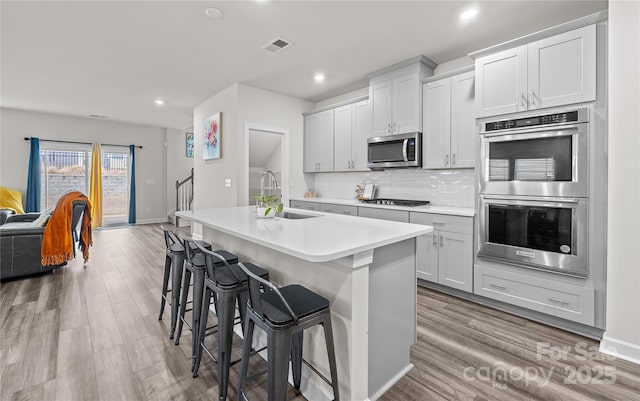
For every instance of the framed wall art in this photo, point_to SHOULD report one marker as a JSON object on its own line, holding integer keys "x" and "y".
{"x": 189, "y": 144}
{"x": 212, "y": 137}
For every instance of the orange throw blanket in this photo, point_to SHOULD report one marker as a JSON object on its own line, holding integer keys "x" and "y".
{"x": 57, "y": 240}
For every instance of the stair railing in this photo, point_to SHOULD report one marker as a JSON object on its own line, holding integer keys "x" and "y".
{"x": 184, "y": 195}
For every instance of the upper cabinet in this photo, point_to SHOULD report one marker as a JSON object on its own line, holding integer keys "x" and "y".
{"x": 551, "y": 72}
{"x": 318, "y": 142}
{"x": 449, "y": 122}
{"x": 352, "y": 128}
{"x": 395, "y": 96}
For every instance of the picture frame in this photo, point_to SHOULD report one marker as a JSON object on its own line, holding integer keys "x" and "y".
{"x": 189, "y": 144}
{"x": 212, "y": 137}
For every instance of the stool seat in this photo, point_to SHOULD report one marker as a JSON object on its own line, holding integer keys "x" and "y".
{"x": 228, "y": 277}
{"x": 303, "y": 302}
{"x": 197, "y": 259}
{"x": 178, "y": 248}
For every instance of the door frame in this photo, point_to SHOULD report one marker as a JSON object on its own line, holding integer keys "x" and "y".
{"x": 285, "y": 160}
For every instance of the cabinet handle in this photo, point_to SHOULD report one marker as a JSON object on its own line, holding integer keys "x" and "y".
{"x": 394, "y": 127}
{"x": 533, "y": 97}
{"x": 560, "y": 301}
{"x": 436, "y": 223}
{"x": 446, "y": 160}
{"x": 500, "y": 287}
{"x": 441, "y": 241}
{"x": 389, "y": 127}
{"x": 435, "y": 240}
{"x": 524, "y": 100}
{"x": 453, "y": 159}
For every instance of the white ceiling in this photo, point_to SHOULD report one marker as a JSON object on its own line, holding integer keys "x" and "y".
{"x": 114, "y": 58}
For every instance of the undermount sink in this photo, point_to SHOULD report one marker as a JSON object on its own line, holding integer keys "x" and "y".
{"x": 296, "y": 216}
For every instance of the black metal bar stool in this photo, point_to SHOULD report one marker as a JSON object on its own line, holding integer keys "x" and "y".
{"x": 227, "y": 283}
{"x": 284, "y": 313}
{"x": 194, "y": 266}
{"x": 173, "y": 265}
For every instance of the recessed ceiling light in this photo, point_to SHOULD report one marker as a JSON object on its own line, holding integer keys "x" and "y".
{"x": 213, "y": 13}
{"x": 319, "y": 77}
{"x": 468, "y": 14}
{"x": 159, "y": 102}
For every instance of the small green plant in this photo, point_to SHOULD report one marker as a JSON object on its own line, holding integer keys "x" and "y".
{"x": 270, "y": 202}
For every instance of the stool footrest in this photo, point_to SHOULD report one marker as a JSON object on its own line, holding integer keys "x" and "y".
{"x": 316, "y": 371}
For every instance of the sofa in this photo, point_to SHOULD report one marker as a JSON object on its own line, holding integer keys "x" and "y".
{"x": 21, "y": 242}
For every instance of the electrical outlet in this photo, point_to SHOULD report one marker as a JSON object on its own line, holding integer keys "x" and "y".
{"x": 227, "y": 182}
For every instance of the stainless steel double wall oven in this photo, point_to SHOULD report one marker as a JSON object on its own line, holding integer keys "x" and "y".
{"x": 533, "y": 206}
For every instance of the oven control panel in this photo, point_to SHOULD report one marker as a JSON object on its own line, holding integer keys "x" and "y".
{"x": 556, "y": 118}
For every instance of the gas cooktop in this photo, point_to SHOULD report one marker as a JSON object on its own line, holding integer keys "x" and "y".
{"x": 397, "y": 202}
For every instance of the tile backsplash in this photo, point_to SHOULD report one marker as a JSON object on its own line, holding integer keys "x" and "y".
{"x": 441, "y": 187}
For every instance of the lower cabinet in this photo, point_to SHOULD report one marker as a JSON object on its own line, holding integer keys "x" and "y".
{"x": 339, "y": 209}
{"x": 445, "y": 256}
{"x": 384, "y": 214}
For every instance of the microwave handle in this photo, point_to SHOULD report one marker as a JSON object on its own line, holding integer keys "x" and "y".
{"x": 530, "y": 130}
{"x": 533, "y": 199}
{"x": 404, "y": 149}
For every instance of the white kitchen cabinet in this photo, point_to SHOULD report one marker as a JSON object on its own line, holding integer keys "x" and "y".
{"x": 352, "y": 128}
{"x": 551, "y": 72}
{"x": 318, "y": 142}
{"x": 296, "y": 204}
{"x": 449, "y": 122}
{"x": 395, "y": 94}
{"x": 445, "y": 256}
{"x": 384, "y": 214}
{"x": 339, "y": 209}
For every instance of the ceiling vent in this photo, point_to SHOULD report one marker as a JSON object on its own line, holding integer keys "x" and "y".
{"x": 276, "y": 45}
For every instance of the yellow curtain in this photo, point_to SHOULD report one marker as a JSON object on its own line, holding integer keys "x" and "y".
{"x": 95, "y": 191}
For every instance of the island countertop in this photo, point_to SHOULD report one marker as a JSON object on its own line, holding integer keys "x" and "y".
{"x": 323, "y": 238}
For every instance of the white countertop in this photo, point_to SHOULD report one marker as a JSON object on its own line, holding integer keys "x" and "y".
{"x": 451, "y": 210}
{"x": 318, "y": 239}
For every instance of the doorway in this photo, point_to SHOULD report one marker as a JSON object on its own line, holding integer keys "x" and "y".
{"x": 266, "y": 149}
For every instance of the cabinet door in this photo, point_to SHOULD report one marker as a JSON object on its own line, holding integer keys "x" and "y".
{"x": 501, "y": 82}
{"x": 562, "y": 69}
{"x": 406, "y": 104}
{"x": 427, "y": 256}
{"x": 455, "y": 260}
{"x": 361, "y": 121}
{"x": 315, "y": 206}
{"x": 312, "y": 142}
{"x": 384, "y": 214}
{"x": 326, "y": 140}
{"x": 380, "y": 97}
{"x": 342, "y": 136}
{"x": 437, "y": 123}
{"x": 463, "y": 121}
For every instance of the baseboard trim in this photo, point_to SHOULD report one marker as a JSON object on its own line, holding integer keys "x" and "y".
{"x": 153, "y": 221}
{"x": 620, "y": 349}
{"x": 391, "y": 382}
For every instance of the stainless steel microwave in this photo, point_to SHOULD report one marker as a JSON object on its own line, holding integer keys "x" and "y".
{"x": 400, "y": 150}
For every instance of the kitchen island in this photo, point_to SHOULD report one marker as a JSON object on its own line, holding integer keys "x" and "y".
{"x": 365, "y": 267}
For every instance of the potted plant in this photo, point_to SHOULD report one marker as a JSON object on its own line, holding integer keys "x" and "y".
{"x": 267, "y": 206}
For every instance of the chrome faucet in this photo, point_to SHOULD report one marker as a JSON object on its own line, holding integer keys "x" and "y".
{"x": 270, "y": 187}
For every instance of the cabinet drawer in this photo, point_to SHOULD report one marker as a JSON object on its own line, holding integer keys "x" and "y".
{"x": 315, "y": 206}
{"x": 339, "y": 209}
{"x": 555, "y": 298}
{"x": 384, "y": 214}
{"x": 445, "y": 222}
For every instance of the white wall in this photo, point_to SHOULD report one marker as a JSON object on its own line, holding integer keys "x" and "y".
{"x": 150, "y": 161}
{"x": 623, "y": 253}
{"x": 178, "y": 164}
{"x": 242, "y": 104}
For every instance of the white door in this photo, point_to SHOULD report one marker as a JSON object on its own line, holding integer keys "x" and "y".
{"x": 427, "y": 256}
{"x": 406, "y": 104}
{"x": 437, "y": 123}
{"x": 455, "y": 265}
{"x": 361, "y": 117}
{"x": 381, "y": 108}
{"x": 463, "y": 121}
{"x": 312, "y": 142}
{"x": 501, "y": 82}
{"x": 327, "y": 140}
{"x": 342, "y": 137}
{"x": 562, "y": 69}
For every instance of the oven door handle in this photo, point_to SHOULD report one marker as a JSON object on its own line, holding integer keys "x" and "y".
{"x": 529, "y": 130}
{"x": 532, "y": 199}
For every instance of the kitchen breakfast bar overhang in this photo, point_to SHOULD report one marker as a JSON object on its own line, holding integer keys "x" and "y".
{"x": 365, "y": 267}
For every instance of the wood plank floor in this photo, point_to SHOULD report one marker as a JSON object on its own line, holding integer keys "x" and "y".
{"x": 93, "y": 334}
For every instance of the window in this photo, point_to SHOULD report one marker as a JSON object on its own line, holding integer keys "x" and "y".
{"x": 69, "y": 169}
